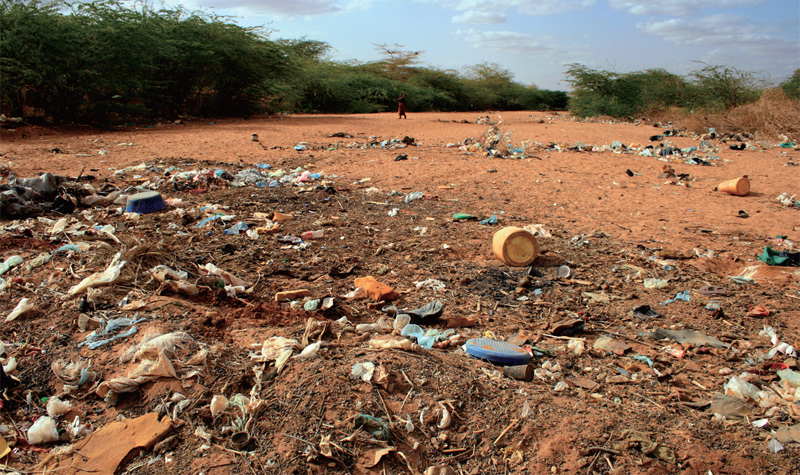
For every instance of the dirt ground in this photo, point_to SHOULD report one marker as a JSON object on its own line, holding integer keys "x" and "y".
{"x": 617, "y": 218}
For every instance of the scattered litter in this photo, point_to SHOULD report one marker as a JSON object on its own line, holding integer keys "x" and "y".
{"x": 432, "y": 284}
{"x": 367, "y": 368}
{"x": 391, "y": 344}
{"x": 779, "y": 258}
{"x": 713, "y": 290}
{"x": 645, "y": 311}
{"x": 376, "y": 290}
{"x": 688, "y": 336}
{"x": 606, "y": 343}
{"x": 43, "y": 431}
{"x": 655, "y": 283}
{"x": 363, "y": 371}
{"x": 413, "y": 196}
{"x": 684, "y": 295}
{"x": 647, "y": 446}
{"x": 377, "y": 427}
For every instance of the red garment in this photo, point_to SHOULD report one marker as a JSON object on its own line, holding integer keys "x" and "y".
{"x": 401, "y": 106}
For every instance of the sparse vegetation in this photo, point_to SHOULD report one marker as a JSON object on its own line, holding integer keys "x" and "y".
{"x": 714, "y": 96}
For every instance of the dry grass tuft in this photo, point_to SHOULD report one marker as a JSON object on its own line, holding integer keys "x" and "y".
{"x": 773, "y": 116}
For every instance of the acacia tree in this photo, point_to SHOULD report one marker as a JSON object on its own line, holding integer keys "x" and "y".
{"x": 398, "y": 63}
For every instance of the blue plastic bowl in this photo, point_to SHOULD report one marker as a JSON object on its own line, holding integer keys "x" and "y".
{"x": 147, "y": 202}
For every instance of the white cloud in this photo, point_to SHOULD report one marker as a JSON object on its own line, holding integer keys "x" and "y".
{"x": 497, "y": 11}
{"x": 507, "y": 41}
{"x": 477, "y": 17}
{"x": 678, "y": 7}
{"x": 549, "y": 7}
{"x": 280, "y": 8}
{"x": 734, "y": 31}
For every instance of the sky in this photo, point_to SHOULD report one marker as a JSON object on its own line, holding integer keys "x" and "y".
{"x": 536, "y": 40}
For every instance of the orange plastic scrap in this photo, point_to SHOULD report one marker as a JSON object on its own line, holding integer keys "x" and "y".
{"x": 375, "y": 290}
{"x": 106, "y": 449}
{"x": 758, "y": 311}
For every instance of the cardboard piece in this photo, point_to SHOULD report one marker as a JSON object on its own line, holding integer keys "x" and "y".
{"x": 106, "y": 449}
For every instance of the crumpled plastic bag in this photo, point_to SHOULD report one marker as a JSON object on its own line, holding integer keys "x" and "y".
{"x": 74, "y": 373}
{"x": 108, "y": 276}
{"x": 272, "y": 348}
{"x": 379, "y": 326}
{"x": 425, "y": 339}
{"x": 43, "y": 431}
{"x": 147, "y": 371}
{"x": 45, "y": 185}
{"x": 161, "y": 272}
{"x": 363, "y": 371}
{"x": 779, "y": 258}
{"x": 309, "y": 352}
{"x": 167, "y": 343}
{"x": 739, "y": 387}
{"x": 24, "y": 306}
{"x": 159, "y": 358}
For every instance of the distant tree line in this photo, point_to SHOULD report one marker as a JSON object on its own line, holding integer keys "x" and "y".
{"x": 712, "y": 88}
{"x": 103, "y": 62}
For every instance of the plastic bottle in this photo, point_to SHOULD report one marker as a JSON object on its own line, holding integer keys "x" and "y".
{"x": 236, "y": 228}
{"x": 313, "y": 234}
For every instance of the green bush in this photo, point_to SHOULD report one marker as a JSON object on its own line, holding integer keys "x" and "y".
{"x": 718, "y": 88}
{"x": 712, "y": 88}
{"x": 441, "y": 90}
{"x": 791, "y": 87}
{"x": 604, "y": 92}
{"x": 40, "y": 60}
{"x": 104, "y": 60}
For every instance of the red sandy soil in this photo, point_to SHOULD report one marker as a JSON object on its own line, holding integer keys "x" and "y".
{"x": 602, "y": 220}
{"x": 590, "y": 191}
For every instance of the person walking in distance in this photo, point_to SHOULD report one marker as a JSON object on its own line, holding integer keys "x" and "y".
{"x": 401, "y": 106}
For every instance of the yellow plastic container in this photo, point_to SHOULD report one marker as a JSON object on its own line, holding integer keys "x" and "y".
{"x": 738, "y": 186}
{"x": 515, "y": 246}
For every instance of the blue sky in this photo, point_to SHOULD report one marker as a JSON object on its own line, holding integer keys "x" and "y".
{"x": 536, "y": 39}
